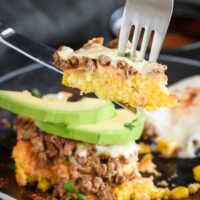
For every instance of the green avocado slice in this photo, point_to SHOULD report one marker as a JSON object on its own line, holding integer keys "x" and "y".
{"x": 121, "y": 129}
{"x": 87, "y": 110}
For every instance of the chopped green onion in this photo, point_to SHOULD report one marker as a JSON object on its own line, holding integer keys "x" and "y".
{"x": 127, "y": 54}
{"x": 69, "y": 187}
{"x": 130, "y": 125}
{"x": 70, "y": 158}
{"x": 81, "y": 197}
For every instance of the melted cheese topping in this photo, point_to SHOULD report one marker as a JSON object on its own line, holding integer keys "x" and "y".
{"x": 96, "y": 50}
{"x": 60, "y": 96}
{"x": 181, "y": 124}
{"x": 82, "y": 149}
{"x": 127, "y": 150}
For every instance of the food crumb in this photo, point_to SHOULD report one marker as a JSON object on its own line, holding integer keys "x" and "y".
{"x": 193, "y": 188}
{"x": 145, "y": 148}
{"x": 174, "y": 175}
{"x": 3, "y": 182}
{"x": 162, "y": 183}
{"x": 146, "y": 165}
{"x": 4, "y": 123}
{"x": 167, "y": 147}
{"x": 39, "y": 197}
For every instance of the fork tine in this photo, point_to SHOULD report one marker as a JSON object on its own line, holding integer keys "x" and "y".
{"x": 124, "y": 34}
{"x": 135, "y": 39}
{"x": 156, "y": 46}
{"x": 123, "y": 39}
{"x": 145, "y": 41}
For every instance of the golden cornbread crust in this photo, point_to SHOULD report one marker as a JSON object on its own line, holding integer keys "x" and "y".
{"x": 118, "y": 80}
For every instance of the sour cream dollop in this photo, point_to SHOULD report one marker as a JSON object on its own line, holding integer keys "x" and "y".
{"x": 181, "y": 124}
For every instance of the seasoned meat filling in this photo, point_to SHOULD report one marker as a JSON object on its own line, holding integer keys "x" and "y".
{"x": 92, "y": 173}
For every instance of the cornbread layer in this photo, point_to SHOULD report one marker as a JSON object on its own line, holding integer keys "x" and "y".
{"x": 98, "y": 69}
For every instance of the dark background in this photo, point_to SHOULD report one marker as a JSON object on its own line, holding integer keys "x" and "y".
{"x": 54, "y": 22}
{"x": 70, "y": 22}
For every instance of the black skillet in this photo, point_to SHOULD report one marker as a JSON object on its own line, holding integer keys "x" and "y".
{"x": 47, "y": 81}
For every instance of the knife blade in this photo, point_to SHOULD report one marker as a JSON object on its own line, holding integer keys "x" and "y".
{"x": 36, "y": 51}
{"x": 4, "y": 196}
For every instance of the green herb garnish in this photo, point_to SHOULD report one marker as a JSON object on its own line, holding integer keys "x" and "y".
{"x": 130, "y": 125}
{"x": 35, "y": 92}
{"x": 81, "y": 197}
{"x": 70, "y": 158}
{"x": 69, "y": 187}
{"x": 127, "y": 55}
{"x": 67, "y": 198}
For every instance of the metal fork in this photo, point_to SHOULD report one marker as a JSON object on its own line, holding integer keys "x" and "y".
{"x": 153, "y": 16}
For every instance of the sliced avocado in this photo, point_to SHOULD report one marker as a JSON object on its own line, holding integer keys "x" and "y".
{"x": 122, "y": 128}
{"x": 87, "y": 110}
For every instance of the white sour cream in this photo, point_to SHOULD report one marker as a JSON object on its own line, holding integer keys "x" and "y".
{"x": 126, "y": 150}
{"x": 182, "y": 123}
{"x": 82, "y": 149}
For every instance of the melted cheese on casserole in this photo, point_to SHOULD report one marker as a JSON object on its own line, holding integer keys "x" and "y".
{"x": 96, "y": 50}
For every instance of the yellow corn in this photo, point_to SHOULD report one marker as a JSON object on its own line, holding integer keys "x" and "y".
{"x": 140, "y": 196}
{"x": 123, "y": 192}
{"x": 196, "y": 173}
{"x": 179, "y": 193}
{"x": 44, "y": 185}
{"x": 193, "y": 188}
{"x": 167, "y": 147}
{"x": 166, "y": 194}
{"x": 157, "y": 193}
{"x": 145, "y": 148}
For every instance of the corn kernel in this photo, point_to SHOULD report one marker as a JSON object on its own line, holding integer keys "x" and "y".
{"x": 140, "y": 196}
{"x": 193, "y": 188}
{"x": 123, "y": 193}
{"x": 44, "y": 185}
{"x": 145, "y": 148}
{"x": 157, "y": 193}
{"x": 166, "y": 194}
{"x": 167, "y": 147}
{"x": 196, "y": 173}
{"x": 179, "y": 193}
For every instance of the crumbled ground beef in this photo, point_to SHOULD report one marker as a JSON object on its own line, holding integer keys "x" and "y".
{"x": 4, "y": 123}
{"x": 93, "y": 174}
{"x": 149, "y": 131}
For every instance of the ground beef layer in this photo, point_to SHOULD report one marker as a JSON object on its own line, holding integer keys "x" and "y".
{"x": 49, "y": 160}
